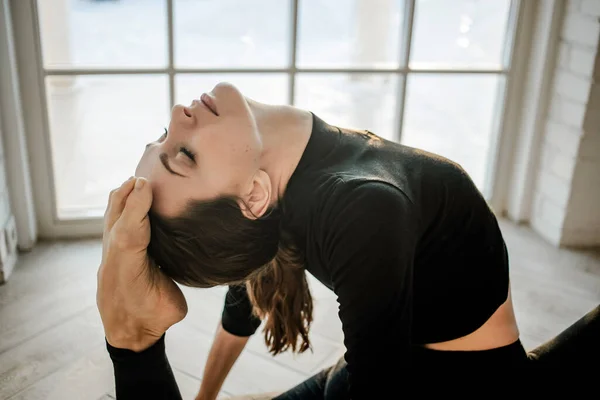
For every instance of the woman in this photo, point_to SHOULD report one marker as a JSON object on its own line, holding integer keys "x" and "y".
{"x": 252, "y": 195}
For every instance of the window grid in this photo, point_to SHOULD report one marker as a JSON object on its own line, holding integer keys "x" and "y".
{"x": 402, "y": 72}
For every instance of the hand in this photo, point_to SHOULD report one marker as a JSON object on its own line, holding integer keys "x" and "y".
{"x": 136, "y": 301}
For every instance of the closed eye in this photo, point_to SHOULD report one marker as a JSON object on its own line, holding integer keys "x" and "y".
{"x": 188, "y": 153}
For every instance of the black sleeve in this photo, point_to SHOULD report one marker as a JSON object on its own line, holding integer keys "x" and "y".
{"x": 144, "y": 375}
{"x": 369, "y": 246}
{"x": 237, "y": 317}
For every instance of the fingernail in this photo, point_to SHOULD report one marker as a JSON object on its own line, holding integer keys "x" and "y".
{"x": 125, "y": 183}
{"x": 139, "y": 184}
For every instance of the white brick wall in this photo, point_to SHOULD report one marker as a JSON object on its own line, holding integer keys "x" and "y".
{"x": 591, "y": 7}
{"x": 582, "y": 221}
{"x": 557, "y": 163}
{"x": 565, "y": 138}
{"x": 566, "y": 111}
{"x": 571, "y": 86}
{"x": 581, "y": 61}
{"x": 580, "y": 29}
{"x": 566, "y": 203}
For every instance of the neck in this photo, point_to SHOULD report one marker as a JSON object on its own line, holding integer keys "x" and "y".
{"x": 284, "y": 131}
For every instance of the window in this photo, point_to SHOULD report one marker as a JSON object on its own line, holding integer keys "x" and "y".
{"x": 426, "y": 73}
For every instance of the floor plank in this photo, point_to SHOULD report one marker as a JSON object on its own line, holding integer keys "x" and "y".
{"x": 306, "y": 363}
{"x": 40, "y": 356}
{"x": 204, "y": 314}
{"x": 187, "y": 349}
{"x": 90, "y": 374}
{"x": 62, "y": 273}
{"x": 28, "y": 316}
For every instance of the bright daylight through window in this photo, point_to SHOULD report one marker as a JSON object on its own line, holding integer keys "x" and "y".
{"x": 428, "y": 73}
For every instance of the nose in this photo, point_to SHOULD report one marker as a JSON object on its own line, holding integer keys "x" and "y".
{"x": 180, "y": 113}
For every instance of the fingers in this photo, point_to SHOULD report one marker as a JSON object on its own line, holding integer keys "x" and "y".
{"x": 116, "y": 202}
{"x": 138, "y": 203}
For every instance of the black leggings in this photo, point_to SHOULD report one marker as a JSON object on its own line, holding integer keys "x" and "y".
{"x": 577, "y": 345}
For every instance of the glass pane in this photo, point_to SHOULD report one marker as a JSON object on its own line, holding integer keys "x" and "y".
{"x": 452, "y": 115}
{"x": 349, "y": 33}
{"x": 358, "y": 101}
{"x": 232, "y": 33}
{"x": 99, "y": 126}
{"x": 88, "y": 33}
{"x": 459, "y": 33}
{"x": 266, "y": 88}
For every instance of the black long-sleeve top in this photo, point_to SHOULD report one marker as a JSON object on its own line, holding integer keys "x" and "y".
{"x": 404, "y": 239}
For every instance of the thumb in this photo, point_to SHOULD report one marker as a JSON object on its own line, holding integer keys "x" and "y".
{"x": 138, "y": 202}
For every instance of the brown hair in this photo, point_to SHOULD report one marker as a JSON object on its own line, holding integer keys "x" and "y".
{"x": 212, "y": 243}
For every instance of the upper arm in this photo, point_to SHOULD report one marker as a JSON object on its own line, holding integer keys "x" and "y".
{"x": 369, "y": 248}
{"x": 237, "y": 317}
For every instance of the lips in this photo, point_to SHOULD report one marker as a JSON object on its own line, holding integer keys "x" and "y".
{"x": 209, "y": 103}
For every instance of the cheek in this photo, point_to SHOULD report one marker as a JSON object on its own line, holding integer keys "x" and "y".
{"x": 227, "y": 147}
{"x": 228, "y": 166}
{"x": 244, "y": 156}
{"x": 235, "y": 158}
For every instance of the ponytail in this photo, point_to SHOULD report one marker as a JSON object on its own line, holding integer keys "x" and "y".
{"x": 280, "y": 294}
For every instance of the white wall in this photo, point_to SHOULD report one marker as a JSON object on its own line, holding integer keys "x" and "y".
{"x": 8, "y": 234}
{"x": 565, "y": 208}
{"x": 4, "y": 199}
{"x": 582, "y": 220}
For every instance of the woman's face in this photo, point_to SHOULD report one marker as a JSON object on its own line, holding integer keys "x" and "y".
{"x": 212, "y": 148}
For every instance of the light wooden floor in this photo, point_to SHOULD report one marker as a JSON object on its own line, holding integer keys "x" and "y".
{"x": 52, "y": 343}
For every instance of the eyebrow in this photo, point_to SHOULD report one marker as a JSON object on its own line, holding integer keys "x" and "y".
{"x": 164, "y": 158}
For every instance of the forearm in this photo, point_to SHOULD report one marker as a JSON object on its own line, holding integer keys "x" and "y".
{"x": 224, "y": 352}
{"x": 144, "y": 375}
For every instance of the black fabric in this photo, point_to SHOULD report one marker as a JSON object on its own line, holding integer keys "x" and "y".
{"x": 237, "y": 317}
{"x": 328, "y": 384}
{"x": 332, "y": 383}
{"x": 576, "y": 347}
{"x": 402, "y": 236}
{"x": 144, "y": 375}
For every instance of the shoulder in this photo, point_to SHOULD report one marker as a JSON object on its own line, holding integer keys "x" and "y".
{"x": 358, "y": 213}
{"x": 357, "y": 199}
{"x": 368, "y": 235}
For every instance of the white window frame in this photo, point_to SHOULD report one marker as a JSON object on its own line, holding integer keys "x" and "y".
{"x": 33, "y": 74}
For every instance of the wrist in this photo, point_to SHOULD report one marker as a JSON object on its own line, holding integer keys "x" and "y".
{"x": 204, "y": 395}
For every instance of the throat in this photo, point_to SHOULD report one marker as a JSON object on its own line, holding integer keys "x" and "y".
{"x": 285, "y": 132}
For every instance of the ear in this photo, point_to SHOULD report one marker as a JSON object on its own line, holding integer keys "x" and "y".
{"x": 255, "y": 202}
